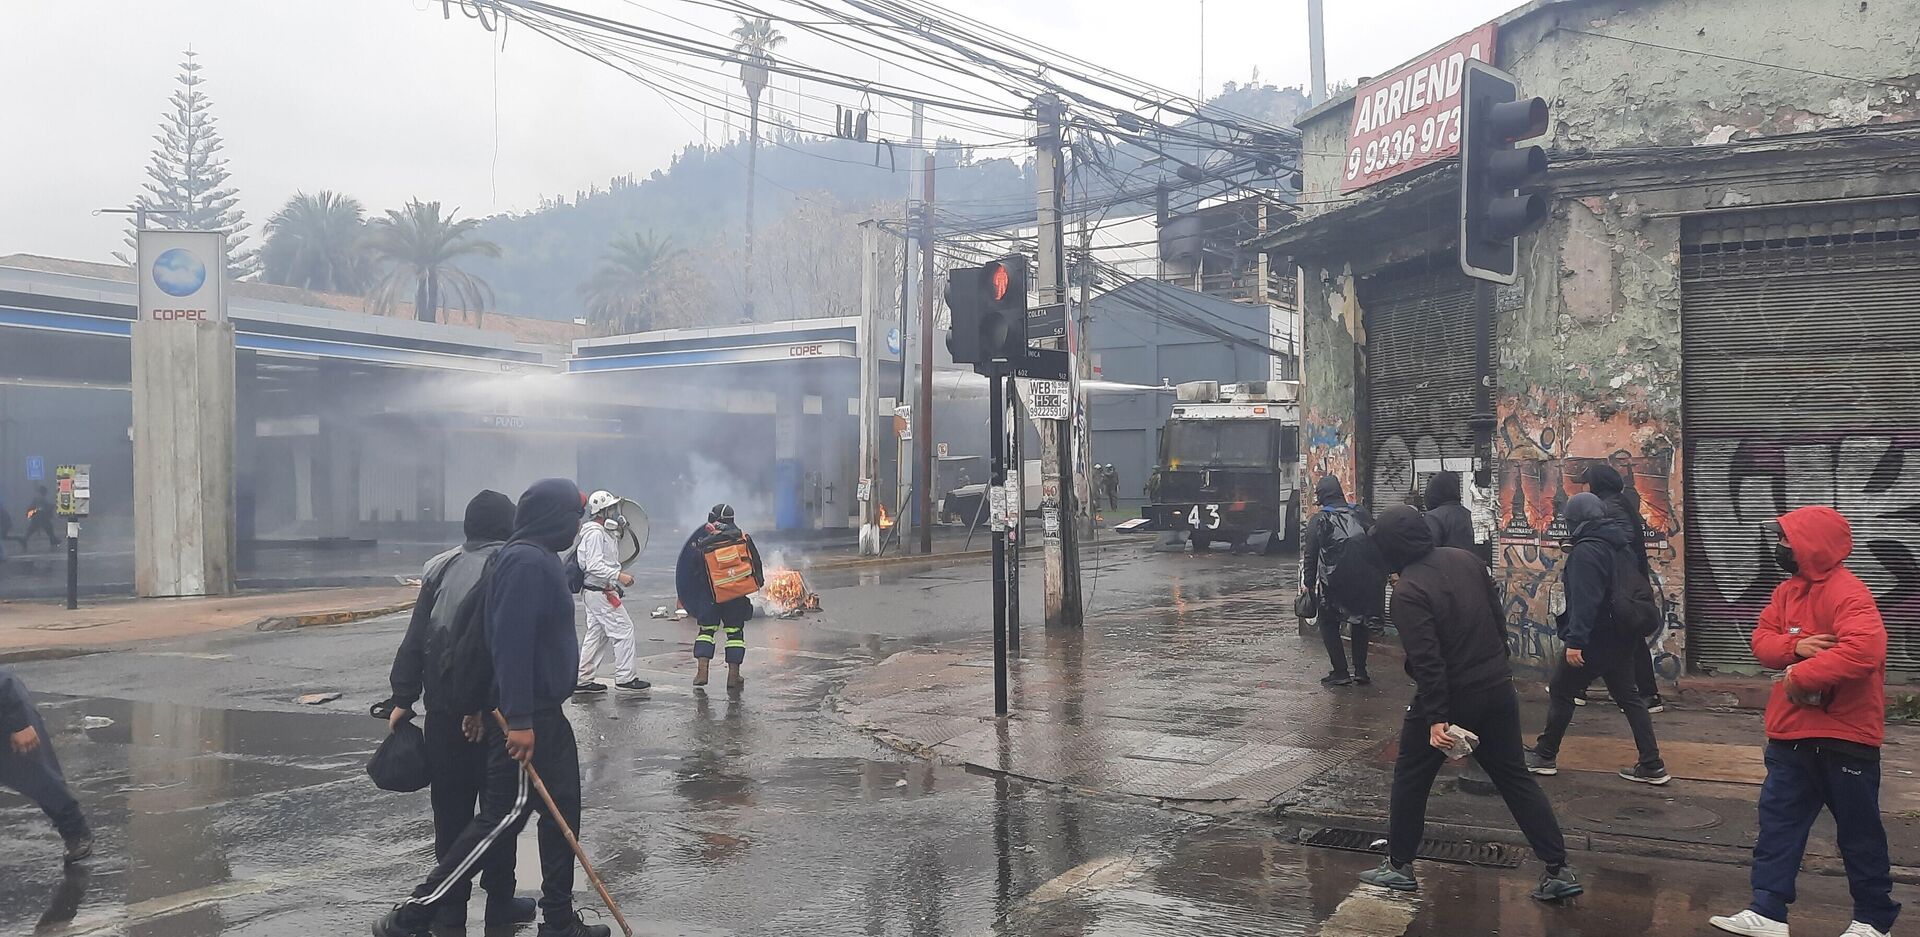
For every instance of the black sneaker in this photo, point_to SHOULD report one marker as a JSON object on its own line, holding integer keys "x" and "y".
{"x": 1388, "y": 875}
{"x": 79, "y": 848}
{"x": 1360, "y": 678}
{"x": 511, "y": 911}
{"x": 1655, "y": 704}
{"x": 394, "y": 924}
{"x": 1656, "y": 775}
{"x": 1580, "y": 698}
{"x": 1558, "y": 885}
{"x": 589, "y": 686}
{"x": 1541, "y": 764}
{"x": 575, "y": 926}
{"x": 1336, "y": 679}
{"x": 633, "y": 686}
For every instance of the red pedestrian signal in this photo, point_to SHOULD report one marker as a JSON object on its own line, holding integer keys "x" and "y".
{"x": 1001, "y": 279}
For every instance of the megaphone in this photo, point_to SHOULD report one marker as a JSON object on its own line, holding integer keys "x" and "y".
{"x": 632, "y": 537}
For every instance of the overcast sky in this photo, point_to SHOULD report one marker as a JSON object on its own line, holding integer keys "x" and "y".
{"x": 384, "y": 99}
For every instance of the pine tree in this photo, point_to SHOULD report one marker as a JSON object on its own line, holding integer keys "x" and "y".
{"x": 187, "y": 180}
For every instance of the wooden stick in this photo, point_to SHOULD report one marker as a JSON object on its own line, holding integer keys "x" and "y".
{"x": 553, "y": 810}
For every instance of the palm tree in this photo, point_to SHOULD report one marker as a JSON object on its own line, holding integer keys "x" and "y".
{"x": 313, "y": 242}
{"x": 754, "y": 38}
{"x": 419, "y": 249}
{"x": 625, "y": 291}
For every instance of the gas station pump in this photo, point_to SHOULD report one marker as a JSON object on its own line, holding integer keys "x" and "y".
{"x": 71, "y": 501}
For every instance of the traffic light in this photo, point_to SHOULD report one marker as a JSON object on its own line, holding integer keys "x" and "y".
{"x": 1497, "y": 204}
{"x": 989, "y": 306}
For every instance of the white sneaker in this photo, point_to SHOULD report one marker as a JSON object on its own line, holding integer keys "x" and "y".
{"x": 1750, "y": 924}
{"x": 1862, "y": 929}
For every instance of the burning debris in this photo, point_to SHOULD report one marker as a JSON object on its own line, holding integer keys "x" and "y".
{"x": 786, "y": 594}
{"x": 886, "y": 520}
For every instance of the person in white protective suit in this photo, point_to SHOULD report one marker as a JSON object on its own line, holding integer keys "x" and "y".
{"x": 597, "y": 549}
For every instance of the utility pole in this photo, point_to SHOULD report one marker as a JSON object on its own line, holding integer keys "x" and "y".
{"x": 903, "y": 465}
{"x": 869, "y": 340}
{"x": 923, "y": 411}
{"x": 1059, "y": 531}
{"x": 1083, "y": 372}
{"x": 1317, "y": 53}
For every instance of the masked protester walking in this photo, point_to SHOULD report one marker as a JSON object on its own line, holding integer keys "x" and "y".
{"x": 1826, "y": 721}
{"x": 28, "y": 765}
{"x": 1448, "y": 614}
{"x": 1450, "y": 521}
{"x": 1599, "y": 639}
{"x": 718, "y": 568}
{"x": 456, "y": 762}
{"x": 1331, "y": 535}
{"x": 533, "y": 652}
{"x": 597, "y": 551}
{"x": 1623, "y": 505}
{"x": 40, "y": 518}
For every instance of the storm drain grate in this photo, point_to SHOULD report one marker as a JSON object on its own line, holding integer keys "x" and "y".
{"x": 1463, "y": 852}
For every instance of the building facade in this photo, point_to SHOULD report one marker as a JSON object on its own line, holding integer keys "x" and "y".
{"x": 1721, "y": 305}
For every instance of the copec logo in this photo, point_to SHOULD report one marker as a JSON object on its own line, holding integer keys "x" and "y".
{"x": 179, "y": 273}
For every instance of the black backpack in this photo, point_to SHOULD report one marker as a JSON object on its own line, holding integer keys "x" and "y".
{"x": 466, "y": 665}
{"x": 1636, "y": 612}
{"x": 1341, "y": 525}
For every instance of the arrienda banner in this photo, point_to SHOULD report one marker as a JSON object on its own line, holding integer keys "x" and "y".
{"x": 181, "y": 276}
{"x": 1411, "y": 117}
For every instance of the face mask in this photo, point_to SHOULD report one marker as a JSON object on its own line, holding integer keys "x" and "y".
{"x": 1783, "y": 555}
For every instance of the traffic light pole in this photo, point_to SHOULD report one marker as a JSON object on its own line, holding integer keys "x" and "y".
{"x": 1058, "y": 509}
{"x": 997, "y": 480}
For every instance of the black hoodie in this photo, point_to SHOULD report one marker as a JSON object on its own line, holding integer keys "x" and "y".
{"x": 1587, "y": 575}
{"x": 1450, "y": 521}
{"x": 529, "y": 609}
{"x": 444, "y": 584}
{"x": 1448, "y": 614}
{"x": 1623, "y": 505}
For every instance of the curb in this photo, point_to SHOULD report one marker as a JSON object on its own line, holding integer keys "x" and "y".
{"x": 885, "y": 561}
{"x": 1583, "y": 842}
{"x": 57, "y": 652}
{"x": 292, "y": 622}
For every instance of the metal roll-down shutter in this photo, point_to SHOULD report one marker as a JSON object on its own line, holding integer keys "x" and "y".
{"x": 1800, "y": 385}
{"x": 1420, "y": 375}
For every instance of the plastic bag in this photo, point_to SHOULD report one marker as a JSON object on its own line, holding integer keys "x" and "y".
{"x": 400, "y": 763}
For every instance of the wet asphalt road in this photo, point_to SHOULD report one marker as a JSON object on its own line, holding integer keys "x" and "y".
{"x": 222, "y": 807}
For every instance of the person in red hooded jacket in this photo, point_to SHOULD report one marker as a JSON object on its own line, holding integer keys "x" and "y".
{"x": 1825, "y": 723}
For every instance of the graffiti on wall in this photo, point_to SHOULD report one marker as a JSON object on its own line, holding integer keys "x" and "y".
{"x": 1739, "y": 482}
{"x": 1329, "y": 450}
{"x": 1543, "y": 456}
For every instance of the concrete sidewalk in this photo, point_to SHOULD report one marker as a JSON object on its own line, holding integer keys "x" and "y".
{"x": 1213, "y": 703}
{"x": 41, "y": 629}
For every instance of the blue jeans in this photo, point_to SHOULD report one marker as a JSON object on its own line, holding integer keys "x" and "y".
{"x": 1803, "y": 777}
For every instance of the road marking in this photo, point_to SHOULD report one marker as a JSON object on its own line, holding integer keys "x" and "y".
{"x": 1369, "y": 911}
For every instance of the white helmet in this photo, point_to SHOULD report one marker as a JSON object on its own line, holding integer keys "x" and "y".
{"x": 600, "y": 501}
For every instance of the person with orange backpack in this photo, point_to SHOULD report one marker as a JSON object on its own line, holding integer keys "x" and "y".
{"x": 717, "y": 572}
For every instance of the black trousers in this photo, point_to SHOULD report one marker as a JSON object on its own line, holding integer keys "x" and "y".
{"x": 38, "y": 778}
{"x": 1329, "y": 620}
{"x": 40, "y": 524}
{"x": 1614, "y": 664}
{"x": 506, "y": 800}
{"x": 459, "y": 772}
{"x": 1643, "y": 677}
{"x": 1494, "y": 715}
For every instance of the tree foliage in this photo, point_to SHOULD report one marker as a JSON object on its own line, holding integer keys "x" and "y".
{"x": 633, "y": 289}
{"x": 418, "y": 249}
{"x": 186, "y": 187}
{"x": 314, "y": 242}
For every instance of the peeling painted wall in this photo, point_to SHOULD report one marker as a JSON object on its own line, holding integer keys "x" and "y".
{"x": 1328, "y": 413}
{"x": 1614, "y": 79}
{"x": 1588, "y": 368}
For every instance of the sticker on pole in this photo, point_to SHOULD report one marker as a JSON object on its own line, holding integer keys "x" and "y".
{"x": 1048, "y": 400}
{"x": 1050, "y": 520}
{"x": 997, "y": 507}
